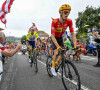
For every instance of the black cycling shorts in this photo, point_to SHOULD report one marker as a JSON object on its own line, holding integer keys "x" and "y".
{"x": 60, "y": 42}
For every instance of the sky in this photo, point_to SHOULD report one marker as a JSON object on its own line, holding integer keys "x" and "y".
{"x": 24, "y": 12}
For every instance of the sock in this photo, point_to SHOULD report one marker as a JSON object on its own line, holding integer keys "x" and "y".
{"x": 53, "y": 64}
{"x": 58, "y": 61}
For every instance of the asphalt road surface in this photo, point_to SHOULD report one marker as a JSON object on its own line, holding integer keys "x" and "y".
{"x": 18, "y": 75}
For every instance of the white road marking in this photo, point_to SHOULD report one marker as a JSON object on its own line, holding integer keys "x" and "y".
{"x": 19, "y": 53}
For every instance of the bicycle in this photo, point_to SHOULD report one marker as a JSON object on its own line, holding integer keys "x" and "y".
{"x": 38, "y": 54}
{"x": 67, "y": 71}
{"x": 34, "y": 60}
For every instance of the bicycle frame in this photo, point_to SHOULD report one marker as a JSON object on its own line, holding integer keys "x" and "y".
{"x": 62, "y": 61}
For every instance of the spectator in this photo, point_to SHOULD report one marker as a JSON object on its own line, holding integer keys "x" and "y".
{"x": 89, "y": 30}
{"x": 5, "y": 51}
{"x": 69, "y": 47}
{"x": 94, "y": 28}
{"x": 96, "y": 35}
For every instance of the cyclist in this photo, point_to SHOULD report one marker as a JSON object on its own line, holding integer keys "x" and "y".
{"x": 31, "y": 40}
{"x": 70, "y": 50}
{"x": 38, "y": 44}
{"x": 33, "y": 25}
{"x": 58, "y": 27}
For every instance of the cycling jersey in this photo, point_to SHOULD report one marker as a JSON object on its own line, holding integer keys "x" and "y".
{"x": 29, "y": 35}
{"x": 32, "y": 39}
{"x": 58, "y": 29}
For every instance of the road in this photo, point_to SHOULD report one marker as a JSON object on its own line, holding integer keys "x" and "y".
{"x": 18, "y": 75}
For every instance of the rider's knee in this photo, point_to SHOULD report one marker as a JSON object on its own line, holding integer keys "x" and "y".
{"x": 55, "y": 53}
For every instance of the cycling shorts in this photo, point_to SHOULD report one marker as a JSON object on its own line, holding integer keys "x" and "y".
{"x": 32, "y": 44}
{"x": 60, "y": 42}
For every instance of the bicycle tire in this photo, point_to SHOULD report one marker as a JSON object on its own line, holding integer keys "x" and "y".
{"x": 68, "y": 78}
{"x": 35, "y": 64}
{"x": 49, "y": 65}
{"x": 31, "y": 63}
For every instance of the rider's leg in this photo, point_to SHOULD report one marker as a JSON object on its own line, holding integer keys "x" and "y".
{"x": 53, "y": 63}
{"x": 35, "y": 51}
{"x": 29, "y": 53}
{"x": 59, "y": 59}
{"x": 54, "y": 58}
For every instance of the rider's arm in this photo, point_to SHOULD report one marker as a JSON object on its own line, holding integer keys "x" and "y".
{"x": 27, "y": 43}
{"x": 72, "y": 33}
{"x": 27, "y": 38}
{"x": 54, "y": 40}
{"x": 53, "y": 34}
{"x": 73, "y": 39}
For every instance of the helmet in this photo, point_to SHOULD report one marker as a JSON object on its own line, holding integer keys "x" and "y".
{"x": 65, "y": 7}
{"x": 33, "y": 28}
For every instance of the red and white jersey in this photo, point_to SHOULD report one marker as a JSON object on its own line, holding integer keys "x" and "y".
{"x": 58, "y": 29}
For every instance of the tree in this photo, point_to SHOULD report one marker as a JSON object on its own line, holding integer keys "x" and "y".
{"x": 91, "y": 17}
{"x": 41, "y": 32}
{"x": 23, "y": 39}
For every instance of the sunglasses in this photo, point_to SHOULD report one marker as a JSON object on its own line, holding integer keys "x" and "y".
{"x": 32, "y": 29}
{"x": 66, "y": 12}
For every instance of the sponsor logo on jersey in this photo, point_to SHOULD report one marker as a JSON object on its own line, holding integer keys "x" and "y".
{"x": 55, "y": 21}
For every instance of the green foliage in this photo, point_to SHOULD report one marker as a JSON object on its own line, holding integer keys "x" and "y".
{"x": 12, "y": 39}
{"x": 41, "y": 32}
{"x": 91, "y": 17}
{"x": 81, "y": 35}
{"x": 23, "y": 38}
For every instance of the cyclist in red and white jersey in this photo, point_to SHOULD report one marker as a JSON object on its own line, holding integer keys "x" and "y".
{"x": 58, "y": 27}
{"x": 33, "y": 25}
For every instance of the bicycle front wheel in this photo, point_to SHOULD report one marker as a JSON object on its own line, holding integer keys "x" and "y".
{"x": 70, "y": 76}
{"x": 35, "y": 64}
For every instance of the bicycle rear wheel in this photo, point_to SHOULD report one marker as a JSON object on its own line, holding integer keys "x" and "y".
{"x": 49, "y": 65}
{"x": 35, "y": 64}
{"x": 70, "y": 76}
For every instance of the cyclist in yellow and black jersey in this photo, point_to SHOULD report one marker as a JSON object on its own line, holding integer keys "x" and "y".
{"x": 31, "y": 40}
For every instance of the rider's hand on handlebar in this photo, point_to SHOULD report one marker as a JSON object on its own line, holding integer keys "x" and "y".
{"x": 29, "y": 48}
{"x": 59, "y": 48}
